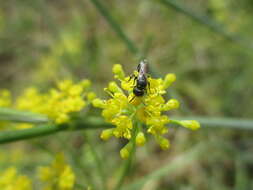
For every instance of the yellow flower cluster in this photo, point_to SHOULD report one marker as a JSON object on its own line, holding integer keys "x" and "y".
{"x": 57, "y": 176}
{"x": 58, "y": 103}
{"x": 124, "y": 110}
{"x": 10, "y": 180}
{"x": 5, "y": 98}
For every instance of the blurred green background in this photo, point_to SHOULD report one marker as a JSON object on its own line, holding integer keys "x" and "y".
{"x": 206, "y": 43}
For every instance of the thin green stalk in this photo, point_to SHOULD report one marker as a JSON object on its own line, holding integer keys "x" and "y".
{"x": 97, "y": 159}
{"x": 231, "y": 123}
{"x": 116, "y": 27}
{"x": 127, "y": 165}
{"x": 7, "y": 114}
{"x": 10, "y": 136}
{"x": 132, "y": 47}
{"x": 98, "y": 123}
{"x": 206, "y": 21}
{"x": 47, "y": 129}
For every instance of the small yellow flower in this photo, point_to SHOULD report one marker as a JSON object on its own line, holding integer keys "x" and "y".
{"x": 171, "y": 104}
{"x": 123, "y": 109}
{"x": 118, "y": 71}
{"x": 124, "y": 153}
{"x": 169, "y": 79}
{"x": 67, "y": 178}
{"x": 98, "y": 103}
{"x": 91, "y": 96}
{"x": 10, "y": 180}
{"x": 163, "y": 142}
{"x": 58, "y": 175}
{"x": 106, "y": 134}
{"x": 140, "y": 139}
{"x": 191, "y": 124}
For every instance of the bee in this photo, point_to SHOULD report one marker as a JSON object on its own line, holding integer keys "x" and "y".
{"x": 141, "y": 80}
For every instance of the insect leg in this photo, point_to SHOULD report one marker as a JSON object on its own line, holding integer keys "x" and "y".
{"x": 132, "y": 99}
{"x": 149, "y": 86}
{"x": 132, "y": 76}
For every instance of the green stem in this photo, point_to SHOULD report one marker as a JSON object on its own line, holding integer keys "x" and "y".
{"x": 98, "y": 123}
{"x": 116, "y": 27}
{"x": 97, "y": 159}
{"x": 127, "y": 165}
{"x": 10, "y": 136}
{"x": 7, "y": 114}
{"x": 206, "y": 21}
{"x": 47, "y": 129}
{"x": 231, "y": 123}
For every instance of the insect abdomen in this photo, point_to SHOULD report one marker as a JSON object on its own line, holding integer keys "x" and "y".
{"x": 138, "y": 92}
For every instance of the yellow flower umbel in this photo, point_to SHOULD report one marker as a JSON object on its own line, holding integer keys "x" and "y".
{"x": 58, "y": 103}
{"x": 10, "y": 180}
{"x": 57, "y": 176}
{"x": 132, "y": 116}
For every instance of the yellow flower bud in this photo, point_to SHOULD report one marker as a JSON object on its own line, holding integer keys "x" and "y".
{"x": 163, "y": 142}
{"x": 106, "y": 134}
{"x": 169, "y": 79}
{"x": 98, "y": 103}
{"x": 113, "y": 87}
{"x": 75, "y": 90}
{"x": 62, "y": 118}
{"x": 118, "y": 71}
{"x": 10, "y": 179}
{"x": 85, "y": 83}
{"x": 66, "y": 178}
{"x": 171, "y": 104}
{"x": 91, "y": 96}
{"x": 124, "y": 153}
{"x": 190, "y": 124}
{"x": 140, "y": 139}
{"x": 126, "y": 84}
{"x": 44, "y": 173}
{"x": 64, "y": 85}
